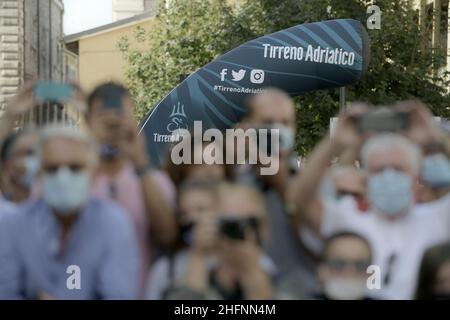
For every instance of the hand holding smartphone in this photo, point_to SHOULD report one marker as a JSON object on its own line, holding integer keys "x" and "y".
{"x": 45, "y": 91}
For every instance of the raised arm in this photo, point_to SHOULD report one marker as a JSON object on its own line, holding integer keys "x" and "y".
{"x": 18, "y": 105}
{"x": 161, "y": 216}
{"x": 306, "y": 185}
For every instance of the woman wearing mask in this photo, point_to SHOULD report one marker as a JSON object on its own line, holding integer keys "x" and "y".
{"x": 197, "y": 224}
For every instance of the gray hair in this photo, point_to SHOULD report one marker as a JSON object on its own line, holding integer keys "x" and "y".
{"x": 68, "y": 133}
{"x": 389, "y": 141}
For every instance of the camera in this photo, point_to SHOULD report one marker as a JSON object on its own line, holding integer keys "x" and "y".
{"x": 382, "y": 120}
{"x": 236, "y": 227}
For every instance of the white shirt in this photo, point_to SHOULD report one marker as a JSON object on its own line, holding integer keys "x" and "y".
{"x": 397, "y": 245}
{"x": 160, "y": 276}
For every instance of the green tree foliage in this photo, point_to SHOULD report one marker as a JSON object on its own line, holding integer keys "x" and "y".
{"x": 191, "y": 33}
{"x": 187, "y": 35}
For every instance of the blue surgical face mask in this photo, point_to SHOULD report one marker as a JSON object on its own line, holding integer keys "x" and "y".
{"x": 31, "y": 164}
{"x": 287, "y": 136}
{"x": 436, "y": 170}
{"x": 390, "y": 192}
{"x": 65, "y": 191}
{"x": 345, "y": 288}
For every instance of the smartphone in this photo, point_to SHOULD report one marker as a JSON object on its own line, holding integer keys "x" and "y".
{"x": 52, "y": 91}
{"x": 112, "y": 99}
{"x": 383, "y": 120}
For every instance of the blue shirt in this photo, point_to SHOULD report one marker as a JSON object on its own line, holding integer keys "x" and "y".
{"x": 101, "y": 242}
{"x": 6, "y": 207}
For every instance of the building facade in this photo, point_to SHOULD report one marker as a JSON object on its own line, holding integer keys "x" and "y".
{"x": 98, "y": 56}
{"x": 435, "y": 21}
{"x": 123, "y": 9}
{"x": 31, "y": 44}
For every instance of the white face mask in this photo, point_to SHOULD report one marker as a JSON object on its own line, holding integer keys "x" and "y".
{"x": 65, "y": 191}
{"x": 31, "y": 164}
{"x": 436, "y": 170}
{"x": 344, "y": 288}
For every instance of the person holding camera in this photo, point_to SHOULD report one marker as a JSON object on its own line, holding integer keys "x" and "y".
{"x": 396, "y": 227}
{"x": 240, "y": 269}
{"x": 124, "y": 174}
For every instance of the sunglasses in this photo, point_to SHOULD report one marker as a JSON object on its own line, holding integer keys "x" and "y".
{"x": 341, "y": 264}
{"x": 74, "y": 167}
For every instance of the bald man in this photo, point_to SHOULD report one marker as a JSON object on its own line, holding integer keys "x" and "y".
{"x": 274, "y": 109}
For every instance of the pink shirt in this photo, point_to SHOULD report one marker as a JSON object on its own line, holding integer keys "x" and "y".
{"x": 126, "y": 189}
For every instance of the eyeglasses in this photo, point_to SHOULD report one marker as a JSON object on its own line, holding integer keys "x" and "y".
{"x": 23, "y": 153}
{"x": 341, "y": 264}
{"x": 74, "y": 167}
{"x": 344, "y": 193}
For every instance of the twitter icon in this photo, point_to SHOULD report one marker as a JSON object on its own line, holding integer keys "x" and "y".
{"x": 239, "y": 75}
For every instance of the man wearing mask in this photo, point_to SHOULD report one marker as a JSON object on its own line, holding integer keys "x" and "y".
{"x": 397, "y": 229}
{"x": 66, "y": 244}
{"x": 19, "y": 165}
{"x": 274, "y": 109}
{"x": 124, "y": 174}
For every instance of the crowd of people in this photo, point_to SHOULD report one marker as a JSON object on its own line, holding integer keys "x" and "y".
{"x": 84, "y": 214}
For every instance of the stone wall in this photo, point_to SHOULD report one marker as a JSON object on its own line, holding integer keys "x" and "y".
{"x": 11, "y": 48}
{"x": 30, "y": 43}
{"x": 43, "y": 34}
